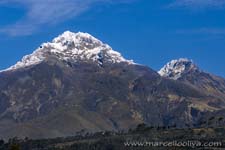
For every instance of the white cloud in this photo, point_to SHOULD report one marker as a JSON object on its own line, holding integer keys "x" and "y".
{"x": 42, "y": 13}
{"x": 198, "y": 4}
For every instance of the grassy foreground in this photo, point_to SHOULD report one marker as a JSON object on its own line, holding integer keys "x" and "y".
{"x": 141, "y": 138}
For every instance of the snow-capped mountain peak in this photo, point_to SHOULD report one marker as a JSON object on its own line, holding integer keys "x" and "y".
{"x": 78, "y": 37}
{"x": 73, "y": 47}
{"x": 176, "y": 68}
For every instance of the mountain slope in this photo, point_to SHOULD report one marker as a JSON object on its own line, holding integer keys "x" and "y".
{"x": 78, "y": 83}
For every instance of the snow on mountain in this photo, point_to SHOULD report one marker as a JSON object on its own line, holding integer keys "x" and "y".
{"x": 176, "y": 68}
{"x": 73, "y": 47}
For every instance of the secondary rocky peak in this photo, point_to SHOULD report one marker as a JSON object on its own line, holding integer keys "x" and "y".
{"x": 176, "y": 68}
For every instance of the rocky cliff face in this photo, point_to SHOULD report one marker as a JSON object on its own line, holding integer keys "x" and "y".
{"x": 78, "y": 83}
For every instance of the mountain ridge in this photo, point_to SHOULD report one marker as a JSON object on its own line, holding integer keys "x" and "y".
{"x": 187, "y": 71}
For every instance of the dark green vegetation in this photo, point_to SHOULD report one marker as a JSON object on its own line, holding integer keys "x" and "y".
{"x": 120, "y": 140}
{"x": 58, "y": 98}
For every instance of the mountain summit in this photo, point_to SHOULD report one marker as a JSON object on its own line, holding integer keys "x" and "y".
{"x": 72, "y": 47}
{"x": 176, "y": 68}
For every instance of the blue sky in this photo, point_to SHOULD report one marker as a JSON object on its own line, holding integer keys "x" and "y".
{"x": 151, "y": 32}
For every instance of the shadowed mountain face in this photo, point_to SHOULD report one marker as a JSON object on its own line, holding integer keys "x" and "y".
{"x": 49, "y": 94}
{"x": 211, "y": 84}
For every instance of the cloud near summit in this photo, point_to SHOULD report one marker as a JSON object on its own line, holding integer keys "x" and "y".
{"x": 40, "y": 13}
